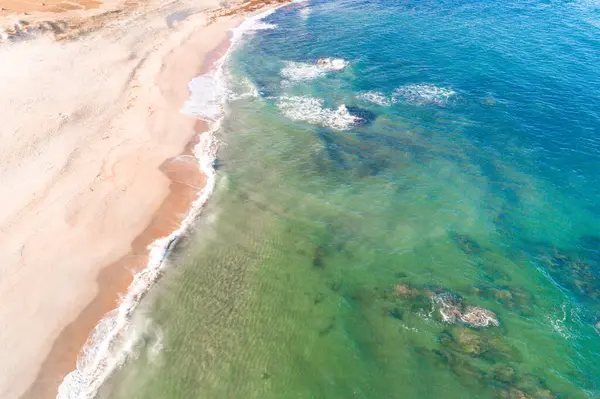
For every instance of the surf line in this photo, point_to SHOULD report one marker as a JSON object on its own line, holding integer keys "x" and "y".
{"x": 112, "y": 341}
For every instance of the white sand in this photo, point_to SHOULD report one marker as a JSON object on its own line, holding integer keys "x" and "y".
{"x": 84, "y": 126}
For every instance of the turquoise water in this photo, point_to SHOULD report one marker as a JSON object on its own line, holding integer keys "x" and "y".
{"x": 461, "y": 172}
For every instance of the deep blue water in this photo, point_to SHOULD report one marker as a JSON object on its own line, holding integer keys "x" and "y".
{"x": 525, "y": 76}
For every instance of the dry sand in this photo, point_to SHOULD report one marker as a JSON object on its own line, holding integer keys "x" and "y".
{"x": 18, "y": 6}
{"x": 94, "y": 165}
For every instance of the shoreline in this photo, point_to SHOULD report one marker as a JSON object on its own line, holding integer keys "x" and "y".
{"x": 132, "y": 274}
{"x": 90, "y": 267}
{"x": 186, "y": 182}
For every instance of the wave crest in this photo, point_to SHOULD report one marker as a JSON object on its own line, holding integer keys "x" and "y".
{"x": 424, "y": 94}
{"x": 376, "y": 97}
{"x": 311, "y": 110}
{"x": 305, "y": 12}
{"x": 299, "y": 71}
{"x": 263, "y": 26}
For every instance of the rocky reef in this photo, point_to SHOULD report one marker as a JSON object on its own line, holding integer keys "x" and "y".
{"x": 449, "y": 307}
{"x": 573, "y": 270}
{"x": 477, "y": 357}
{"x": 466, "y": 243}
{"x": 512, "y": 298}
{"x": 468, "y": 344}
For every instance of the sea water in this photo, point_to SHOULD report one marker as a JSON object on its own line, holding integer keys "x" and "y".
{"x": 442, "y": 156}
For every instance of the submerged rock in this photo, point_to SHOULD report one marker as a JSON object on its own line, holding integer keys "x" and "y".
{"x": 449, "y": 307}
{"x": 467, "y": 244}
{"x": 504, "y": 374}
{"x": 518, "y": 393}
{"x": 475, "y": 316}
{"x": 462, "y": 368}
{"x": 395, "y": 313}
{"x": 544, "y": 394}
{"x": 405, "y": 290}
{"x": 317, "y": 261}
{"x": 573, "y": 271}
{"x": 319, "y": 297}
{"x": 514, "y": 393}
{"x": 513, "y": 298}
{"x": 332, "y": 63}
{"x": 453, "y": 310}
{"x": 502, "y": 295}
{"x": 477, "y": 344}
{"x": 472, "y": 343}
{"x": 535, "y": 387}
{"x": 365, "y": 116}
{"x": 405, "y": 298}
{"x": 327, "y": 329}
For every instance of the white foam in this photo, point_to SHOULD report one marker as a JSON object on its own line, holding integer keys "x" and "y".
{"x": 568, "y": 321}
{"x": 376, "y": 97}
{"x": 559, "y": 323}
{"x": 305, "y": 12}
{"x": 253, "y": 23}
{"x": 206, "y": 98}
{"x": 452, "y": 310}
{"x": 263, "y": 26}
{"x": 246, "y": 90}
{"x": 299, "y": 71}
{"x": 156, "y": 349}
{"x": 113, "y": 340}
{"x": 449, "y": 306}
{"x": 208, "y": 94}
{"x": 424, "y": 94}
{"x": 311, "y": 110}
{"x": 476, "y": 316}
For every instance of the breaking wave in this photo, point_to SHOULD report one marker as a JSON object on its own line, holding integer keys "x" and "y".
{"x": 376, "y": 97}
{"x": 245, "y": 89}
{"x": 299, "y": 71}
{"x": 263, "y": 26}
{"x": 305, "y": 12}
{"x": 416, "y": 94}
{"x": 311, "y": 110}
{"x": 206, "y": 97}
{"x": 424, "y": 94}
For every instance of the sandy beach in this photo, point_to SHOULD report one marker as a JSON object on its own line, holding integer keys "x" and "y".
{"x": 95, "y": 164}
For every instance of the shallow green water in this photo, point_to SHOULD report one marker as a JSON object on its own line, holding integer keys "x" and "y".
{"x": 286, "y": 290}
{"x": 289, "y": 286}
